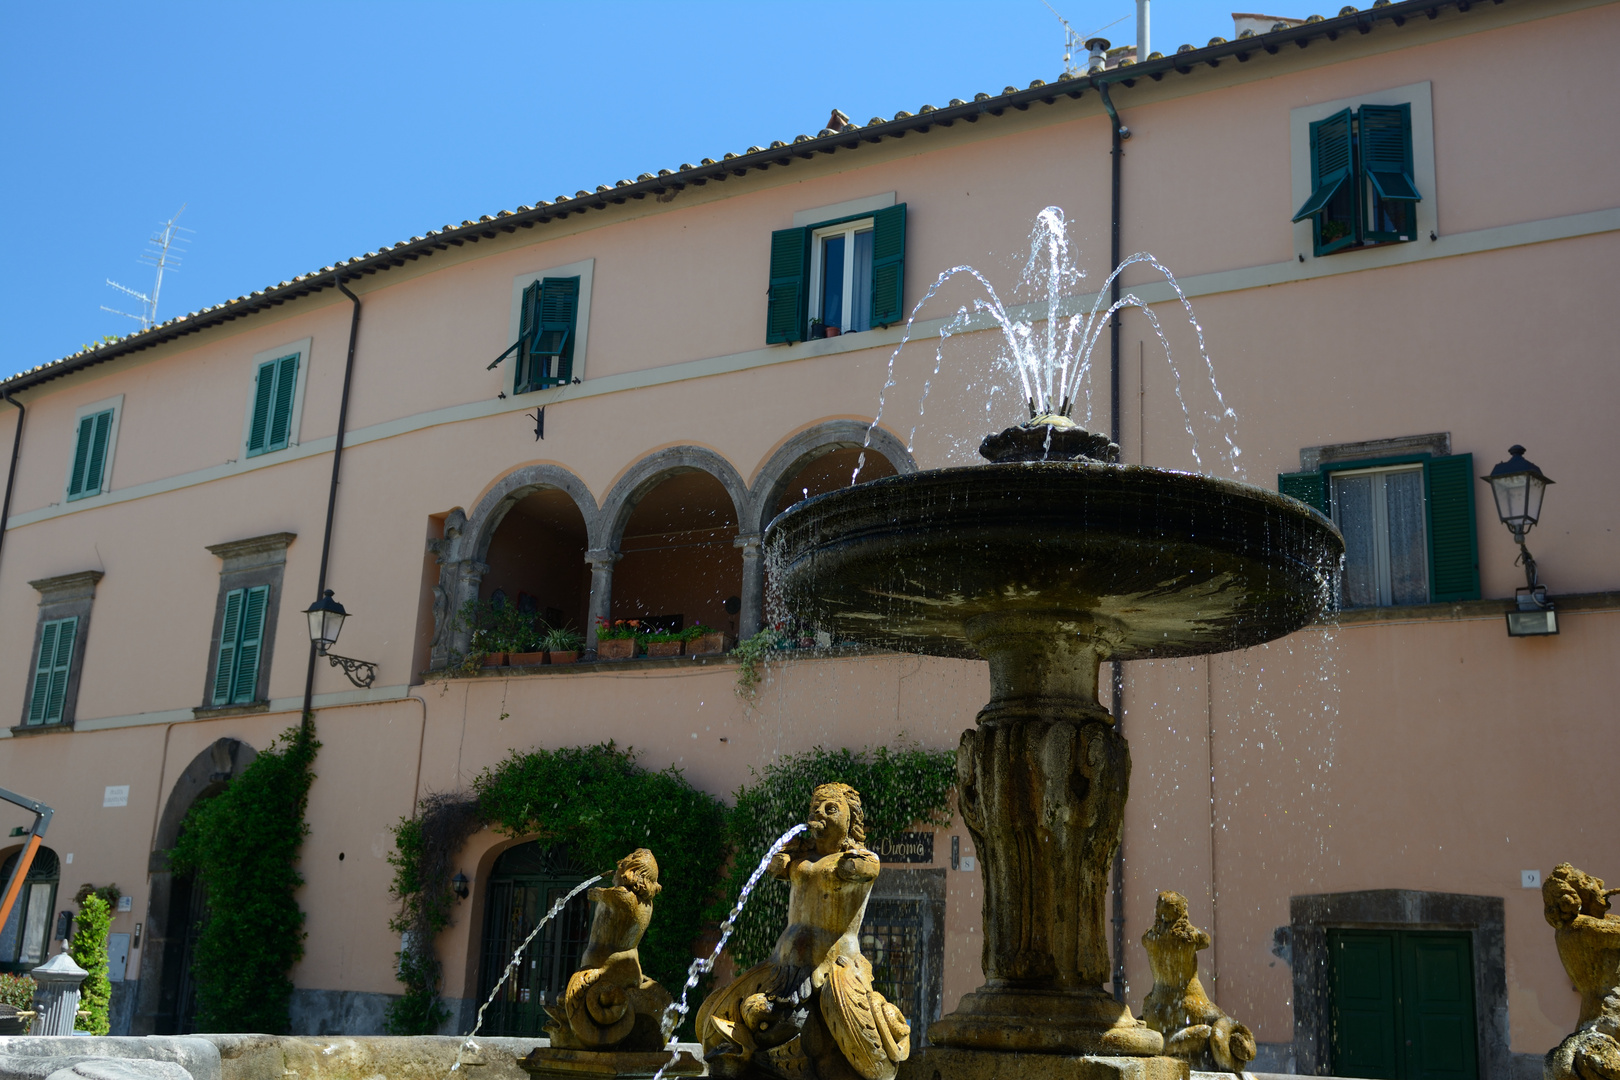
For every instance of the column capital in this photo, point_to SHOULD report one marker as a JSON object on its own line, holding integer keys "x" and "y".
{"x": 750, "y": 544}
{"x": 602, "y": 558}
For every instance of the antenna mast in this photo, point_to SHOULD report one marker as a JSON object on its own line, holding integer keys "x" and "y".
{"x": 1074, "y": 41}
{"x": 163, "y": 254}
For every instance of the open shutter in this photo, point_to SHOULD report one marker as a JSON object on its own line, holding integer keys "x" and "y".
{"x": 229, "y": 632}
{"x": 249, "y": 645}
{"x": 559, "y": 314}
{"x": 888, "y": 265}
{"x": 264, "y": 395}
{"x": 1386, "y": 151}
{"x": 1453, "y": 549}
{"x": 790, "y": 267}
{"x": 281, "y": 409}
{"x": 1309, "y": 488}
{"x": 528, "y": 327}
{"x": 81, "y": 457}
{"x": 42, "y": 672}
{"x": 95, "y": 471}
{"x": 1330, "y": 161}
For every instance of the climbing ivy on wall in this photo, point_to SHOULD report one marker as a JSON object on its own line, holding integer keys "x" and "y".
{"x": 898, "y": 788}
{"x": 243, "y": 844}
{"x": 600, "y": 802}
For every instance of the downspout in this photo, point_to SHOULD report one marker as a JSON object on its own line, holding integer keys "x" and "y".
{"x": 331, "y": 494}
{"x": 1119, "y": 133}
{"x": 11, "y": 475}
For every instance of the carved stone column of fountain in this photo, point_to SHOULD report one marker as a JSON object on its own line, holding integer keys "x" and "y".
{"x": 1046, "y": 562}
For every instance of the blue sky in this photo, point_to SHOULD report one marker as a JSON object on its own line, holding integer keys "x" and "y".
{"x": 297, "y": 133}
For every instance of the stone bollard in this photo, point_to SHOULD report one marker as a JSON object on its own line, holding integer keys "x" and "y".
{"x": 56, "y": 1000}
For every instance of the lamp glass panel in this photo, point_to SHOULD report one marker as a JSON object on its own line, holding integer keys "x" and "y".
{"x": 1510, "y": 492}
{"x": 1534, "y": 490}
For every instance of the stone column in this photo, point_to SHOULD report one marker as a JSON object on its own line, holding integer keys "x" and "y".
{"x": 458, "y": 583}
{"x": 751, "y": 618}
{"x": 601, "y": 562}
{"x": 56, "y": 999}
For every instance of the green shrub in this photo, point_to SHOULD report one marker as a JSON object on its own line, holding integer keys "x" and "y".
{"x": 89, "y": 950}
{"x": 17, "y": 991}
{"x": 243, "y": 844}
{"x": 898, "y": 788}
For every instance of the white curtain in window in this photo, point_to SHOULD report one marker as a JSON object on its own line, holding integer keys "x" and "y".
{"x": 38, "y": 924}
{"x": 1353, "y": 506}
{"x": 860, "y": 306}
{"x": 1403, "y": 501}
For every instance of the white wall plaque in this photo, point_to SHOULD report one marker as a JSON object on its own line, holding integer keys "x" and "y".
{"x": 115, "y": 795}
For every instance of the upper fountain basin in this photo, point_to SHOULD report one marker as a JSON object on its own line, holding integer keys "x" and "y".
{"x": 1147, "y": 562}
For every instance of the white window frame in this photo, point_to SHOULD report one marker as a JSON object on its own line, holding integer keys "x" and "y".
{"x": 1383, "y": 587}
{"x": 818, "y": 238}
{"x": 584, "y": 270}
{"x": 302, "y": 348}
{"x": 1426, "y": 217}
{"x": 116, "y": 404}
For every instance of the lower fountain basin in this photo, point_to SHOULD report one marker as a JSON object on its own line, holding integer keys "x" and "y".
{"x": 1141, "y": 562}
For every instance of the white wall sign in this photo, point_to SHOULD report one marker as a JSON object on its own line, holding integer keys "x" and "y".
{"x": 115, "y": 795}
{"x": 126, "y": 903}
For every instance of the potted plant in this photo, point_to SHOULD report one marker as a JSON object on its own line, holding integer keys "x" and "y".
{"x": 526, "y": 644}
{"x": 817, "y": 329}
{"x": 618, "y": 639}
{"x": 666, "y": 643}
{"x": 832, "y": 331}
{"x": 562, "y": 644}
{"x": 706, "y": 640}
{"x": 17, "y": 991}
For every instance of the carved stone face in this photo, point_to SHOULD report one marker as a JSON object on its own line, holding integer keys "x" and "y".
{"x": 829, "y": 820}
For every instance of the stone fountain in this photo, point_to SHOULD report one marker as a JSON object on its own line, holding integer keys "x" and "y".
{"x": 1047, "y": 561}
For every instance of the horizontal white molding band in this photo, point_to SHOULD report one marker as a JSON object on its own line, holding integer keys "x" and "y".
{"x": 1221, "y": 281}
{"x": 368, "y": 696}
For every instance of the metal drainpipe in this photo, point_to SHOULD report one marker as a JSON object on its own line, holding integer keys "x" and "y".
{"x": 331, "y": 494}
{"x": 1119, "y": 134}
{"x": 11, "y": 475}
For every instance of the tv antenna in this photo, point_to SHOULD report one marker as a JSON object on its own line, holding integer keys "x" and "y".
{"x": 1074, "y": 41}
{"x": 163, "y": 254}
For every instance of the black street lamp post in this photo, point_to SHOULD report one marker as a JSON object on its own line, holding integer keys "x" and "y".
{"x": 326, "y": 617}
{"x": 1518, "y": 487}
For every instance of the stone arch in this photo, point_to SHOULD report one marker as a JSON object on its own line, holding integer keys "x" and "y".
{"x": 654, "y": 469}
{"x": 813, "y": 442}
{"x": 462, "y": 552}
{"x": 162, "y": 957}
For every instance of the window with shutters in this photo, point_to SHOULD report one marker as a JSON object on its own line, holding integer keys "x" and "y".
{"x": 550, "y": 317}
{"x": 1408, "y": 525}
{"x": 95, "y": 437}
{"x": 837, "y": 277}
{"x": 1364, "y": 171}
{"x": 275, "y": 402}
{"x": 244, "y": 626}
{"x": 59, "y": 637}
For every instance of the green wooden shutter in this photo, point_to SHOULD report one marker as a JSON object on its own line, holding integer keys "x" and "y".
{"x": 1453, "y": 546}
{"x": 1437, "y": 1006}
{"x": 528, "y": 327}
{"x": 90, "y": 455}
{"x": 889, "y": 265}
{"x": 1330, "y": 161}
{"x": 1309, "y": 488}
{"x": 281, "y": 410}
{"x": 785, "y": 310}
{"x": 249, "y": 645}
{"x": 1366, "y": 1034}
{"x": 56, "y": 639}
{"x": 264, "y": 396}
{"x": 559, "y": 317}
{"x": 230, "y": 630}
{"x": 1386, "y": 150}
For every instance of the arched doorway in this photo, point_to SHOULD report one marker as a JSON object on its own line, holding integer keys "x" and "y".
{"x": 523, "y": 884}
{"x": 536, "y": 560}
{"x": 166, "y": 1001}
{"x": 25, "y": 939}
{"x": 680, "y": 562}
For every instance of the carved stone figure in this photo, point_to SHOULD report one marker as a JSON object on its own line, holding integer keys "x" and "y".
{"x": 1193, "y": 1026}
{"x": 810, "y": 1010}
{"x": 1577, "y": 907}
{"x": 609, "y": 1003}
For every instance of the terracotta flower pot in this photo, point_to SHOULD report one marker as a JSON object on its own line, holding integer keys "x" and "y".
{"x": 708, "y": 644}
{"x": 665, "y": 648}
{"x": 834, "y": 331}
{"x": 559, "y": 657}
{"x": 617, "y": 649}
{"x": 524, "y": 659}
{"x": 495, "y": 659}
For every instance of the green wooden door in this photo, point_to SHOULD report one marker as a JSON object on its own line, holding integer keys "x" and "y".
{"x": 1402, "y": 1004}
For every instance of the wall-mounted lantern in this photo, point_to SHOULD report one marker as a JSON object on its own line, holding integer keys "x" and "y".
{"x": 1518, "y": 487}
{"x": 458, "y": 885}
{"x": 326, "y": 617}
